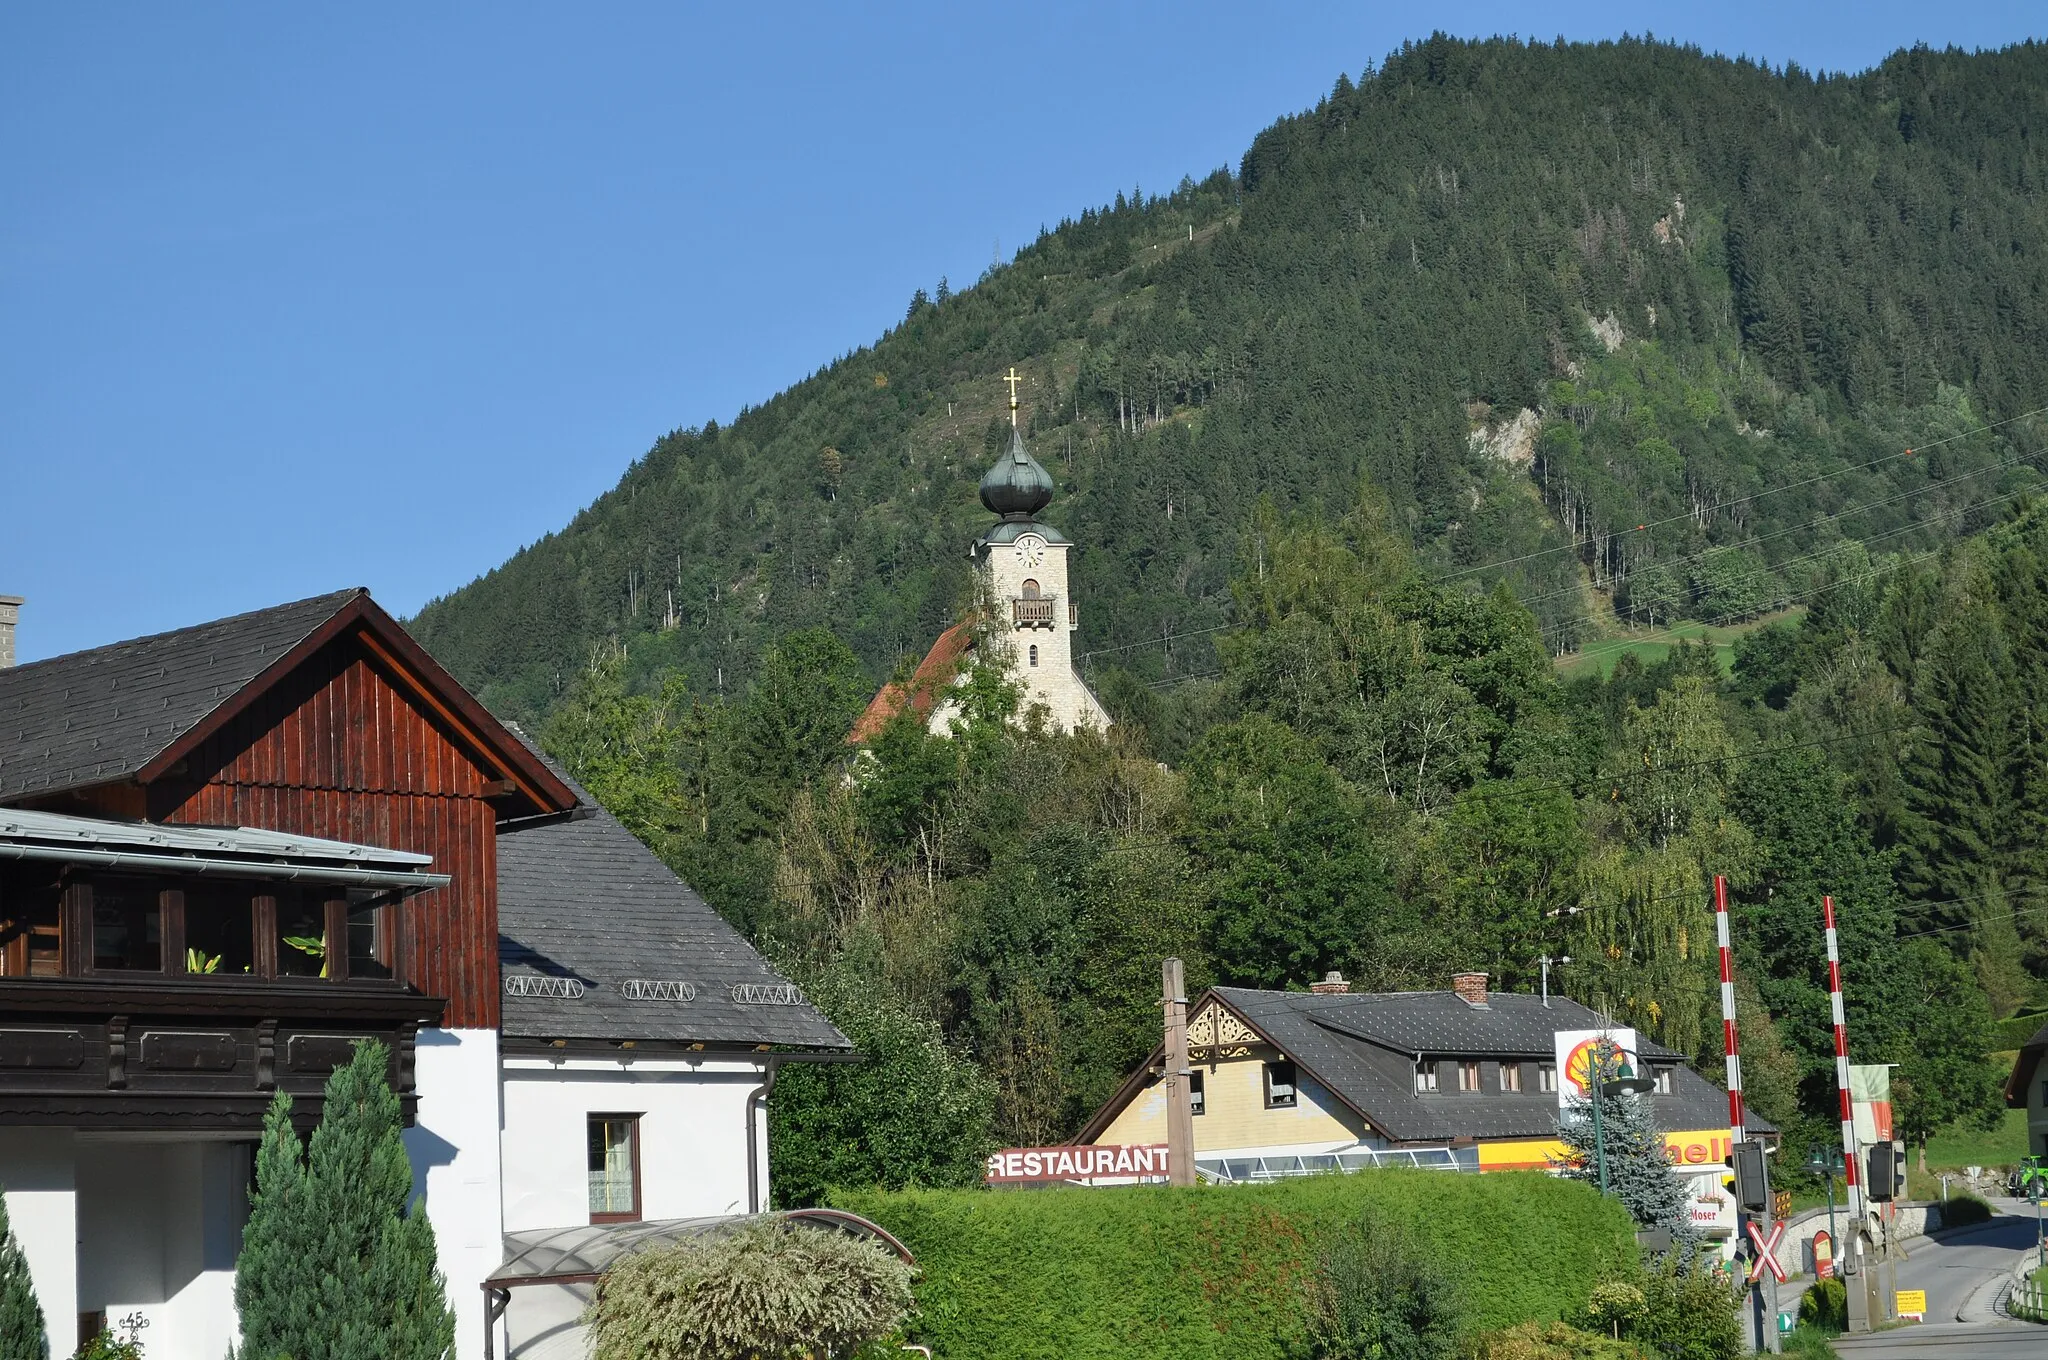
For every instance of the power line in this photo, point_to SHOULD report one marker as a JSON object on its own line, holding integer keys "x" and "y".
{"x": 1816, "y": 555}
{"x": 1737, "y": 616}
{"x": 1753, "y": 496}
{"x": 1823, "y": 519}
{"x": 1154, "y": 642}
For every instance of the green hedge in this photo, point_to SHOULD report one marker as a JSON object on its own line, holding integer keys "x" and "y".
{"x": 1147, "y": 1271}
{"x": 2015, "y": 1032}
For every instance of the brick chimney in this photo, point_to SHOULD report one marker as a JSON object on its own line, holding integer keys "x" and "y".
{"x": 10, "y": 614}
{"x": 1333, "y": 982}
{"x": 1470, "y": 987}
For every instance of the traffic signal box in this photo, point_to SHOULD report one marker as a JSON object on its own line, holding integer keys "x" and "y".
{"x": 1887, "y": 1180}
{"x": 1752, "y": 1181}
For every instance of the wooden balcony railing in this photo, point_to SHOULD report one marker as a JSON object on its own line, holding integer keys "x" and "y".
{"x": 192, "y": 1054}
{"x": 1036, "y": 613}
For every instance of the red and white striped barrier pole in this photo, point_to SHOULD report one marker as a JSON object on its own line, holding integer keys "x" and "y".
{"x": 1737, "y": 1128}
{"x": 1853, "y": 1181}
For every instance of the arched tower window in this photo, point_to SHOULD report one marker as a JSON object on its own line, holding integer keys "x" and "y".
{"x": 1034, "y": 655}
{"x": 1030, "y": 589}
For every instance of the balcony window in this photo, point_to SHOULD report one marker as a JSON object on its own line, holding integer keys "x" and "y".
{"x": 127, "y": 926}
{"x": 31, "y": 936}
{"x": 301, "y": 935}
{"x": 1280, "y": 1085}
{"x": 220, "y": 929}
{"x": 369, "y": 945}
{"x": 614, "y": 1141}
{"x": 1029, "y": 590}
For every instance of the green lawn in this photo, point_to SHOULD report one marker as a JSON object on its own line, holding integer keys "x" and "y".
{"x": 1953, "y": 1149}
{"x": 1651, "y": 645}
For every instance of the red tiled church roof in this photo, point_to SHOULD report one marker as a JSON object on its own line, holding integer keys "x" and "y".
{"x": 934, "y": 675}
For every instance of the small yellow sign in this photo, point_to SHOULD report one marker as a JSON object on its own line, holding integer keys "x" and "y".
{"x": 1913, "y": 1303}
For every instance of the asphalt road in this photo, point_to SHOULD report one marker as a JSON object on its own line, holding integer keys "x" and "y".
{"x": 1962, "y": 1274}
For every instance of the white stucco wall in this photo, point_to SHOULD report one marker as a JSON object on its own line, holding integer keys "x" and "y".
{"x": 454, "y": 1151}
{"x": 159, "y": 1225}
{"x": 36, "y": 1167}
{"x": 693, "y": 1149}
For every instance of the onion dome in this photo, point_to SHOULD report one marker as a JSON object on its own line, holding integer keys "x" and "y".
{"x": 1016, "y": 487}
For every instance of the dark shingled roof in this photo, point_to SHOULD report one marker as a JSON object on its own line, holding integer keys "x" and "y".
{"x": 1363, "y": 1048}
{"x": 103, "y": 714}
{"x": 585, "y": 899}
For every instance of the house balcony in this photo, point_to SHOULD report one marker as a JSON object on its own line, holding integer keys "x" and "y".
{"x": 1029, "y": 611}
{"x": 196, "y": 1054}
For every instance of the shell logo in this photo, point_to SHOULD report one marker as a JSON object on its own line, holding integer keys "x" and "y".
{"x": 1578, "y": 1065}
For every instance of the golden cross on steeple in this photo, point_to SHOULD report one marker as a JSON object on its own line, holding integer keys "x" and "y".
{"x": 1013, "y": 380}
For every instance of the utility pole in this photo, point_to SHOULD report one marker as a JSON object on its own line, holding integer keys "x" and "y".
{"x": 1180, "y": 1110}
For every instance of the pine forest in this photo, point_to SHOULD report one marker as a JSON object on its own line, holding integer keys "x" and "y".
{"x": 1535, "y": 480}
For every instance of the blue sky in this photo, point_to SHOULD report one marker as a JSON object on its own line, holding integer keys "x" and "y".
{"x": 298, "y": 297}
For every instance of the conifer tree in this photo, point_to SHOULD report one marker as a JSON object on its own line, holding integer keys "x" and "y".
{"x": 21, "y": 1316}
{"x": 1638, "y": 1172}
{"x": 333, "y": 1267}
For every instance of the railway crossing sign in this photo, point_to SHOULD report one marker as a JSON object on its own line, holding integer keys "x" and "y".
{"x": 1766, "y": 1252}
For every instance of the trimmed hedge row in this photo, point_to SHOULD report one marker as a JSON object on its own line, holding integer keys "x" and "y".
{"x": 2014, "y": 1033}
{"x": 1147, "y": 1271}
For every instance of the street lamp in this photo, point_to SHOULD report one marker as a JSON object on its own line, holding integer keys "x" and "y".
{"x": 1623, "y": 1082}
{"x": 1827, "y": 1162}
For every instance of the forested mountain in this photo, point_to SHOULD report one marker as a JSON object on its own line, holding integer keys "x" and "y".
{"x": 1500, "y": 354}
{"x": 1702, "y": 277}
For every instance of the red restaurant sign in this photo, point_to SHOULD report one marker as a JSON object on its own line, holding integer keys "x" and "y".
{"x": 1109, "y": 1162}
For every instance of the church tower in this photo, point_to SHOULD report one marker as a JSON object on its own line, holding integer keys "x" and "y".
{"x": 1033, "y": 617}
{"x": 1024, "y": 563}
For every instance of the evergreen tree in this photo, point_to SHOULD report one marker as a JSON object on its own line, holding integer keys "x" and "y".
{"x": 1638, "y": 1172}
{"x": 21, "y": 1315}
{"x": 333, "y": 1267}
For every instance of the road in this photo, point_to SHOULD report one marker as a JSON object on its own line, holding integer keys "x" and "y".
{"x": 1961, "y": 1274}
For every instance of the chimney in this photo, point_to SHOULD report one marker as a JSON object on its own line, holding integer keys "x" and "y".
{"x": 1470, "y": 988}
{"x": 10, "y": 614}
{"x": 1333, "y": 982}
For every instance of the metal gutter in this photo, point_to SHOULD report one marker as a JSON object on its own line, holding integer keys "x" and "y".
{"x": 410, "y": 880}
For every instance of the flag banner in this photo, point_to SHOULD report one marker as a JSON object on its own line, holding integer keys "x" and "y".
{"x": 1870, "y": 1095}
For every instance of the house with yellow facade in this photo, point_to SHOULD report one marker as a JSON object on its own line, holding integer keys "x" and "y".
{"x": 1292, "y": 1083}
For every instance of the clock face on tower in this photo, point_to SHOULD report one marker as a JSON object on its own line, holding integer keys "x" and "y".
{"x": 1030, "y": 549}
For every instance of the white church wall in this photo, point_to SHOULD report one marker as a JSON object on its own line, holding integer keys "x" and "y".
{"x": 453, "y": 1147}
{"x": 38, "y": 1169}
{"x": 693, "y": 1127}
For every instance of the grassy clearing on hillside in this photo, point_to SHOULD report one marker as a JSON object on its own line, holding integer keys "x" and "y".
{"x": 1651, "y": 645}
{"x": 1954, "y": 1149}
{"x": 1218, "y": 1272}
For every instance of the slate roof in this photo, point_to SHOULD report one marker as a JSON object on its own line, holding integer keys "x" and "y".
{"x": 585, "y": 899}
{"x": 103, "y": 714}
{"x": 1363, "y": 1047}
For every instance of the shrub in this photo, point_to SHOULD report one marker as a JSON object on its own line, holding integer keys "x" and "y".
{"x": 1964, "y": 1209}
{"x": 767, "y": 1291}
{"x": 1826, "y": 1306}
{"x": 21, "y": 1316}
{"x": 1555, "y": 1341}
{"x": 1216, "y": 1273}
{"x": 1689, "y": 1315}
{"x": 1616, "y": 1306}
{"x": 1376, "y": 1295}
{"x": 106, "y": 1346}
{"x": 333, "y": 1267}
